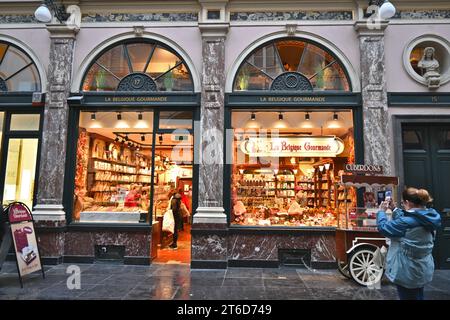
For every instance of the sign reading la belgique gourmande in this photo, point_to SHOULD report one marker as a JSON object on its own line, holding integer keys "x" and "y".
{"x": 293, "y": 147}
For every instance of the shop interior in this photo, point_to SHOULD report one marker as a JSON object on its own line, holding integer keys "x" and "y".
{"x": 290, "y": 187}
{"x": 113, "y": 182}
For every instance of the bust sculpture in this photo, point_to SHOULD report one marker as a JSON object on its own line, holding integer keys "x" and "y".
{"x": 430, "y": 68}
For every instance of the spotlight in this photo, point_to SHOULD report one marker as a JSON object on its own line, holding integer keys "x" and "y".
{"x": 142, "y": 137}
{"x": 307, "y": 116}
{"x": 140, "y": 116}
{"x": 119, "y": 116}
{"x": 335, "y": 116}
{"x": 126, "y": 137}
{"x": 93, "y": 116}
{"x": 160, "y": 138}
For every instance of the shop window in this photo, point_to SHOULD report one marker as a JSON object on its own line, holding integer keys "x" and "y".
{"x": 284, "y": 170}
{"x": 113, "y": 167}
{"x": 24, "y": 122}
{"x": 17, "y": 70}
{"x": 321, "y": 69}
{"x": 412, "y": 140}
{"x": 175, "y": 120}
{"x": 138, "y": 66}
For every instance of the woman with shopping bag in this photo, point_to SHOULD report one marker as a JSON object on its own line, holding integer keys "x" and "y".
{"x": 175, "y": 206}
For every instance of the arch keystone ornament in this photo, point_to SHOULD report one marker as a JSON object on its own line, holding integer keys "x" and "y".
{"x": 291, "y": 81}
{"x": 137, "y": 82}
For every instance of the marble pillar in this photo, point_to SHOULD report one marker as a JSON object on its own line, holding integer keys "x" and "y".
{"x": 376, "y": 120}
{"x": 49, "y": 210}
{"x": 210, "y": 219}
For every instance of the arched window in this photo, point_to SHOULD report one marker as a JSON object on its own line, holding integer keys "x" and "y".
{"x": 138, "y": 66}
{"x": 18, "y": 73}
{"x": 291, "y": 65}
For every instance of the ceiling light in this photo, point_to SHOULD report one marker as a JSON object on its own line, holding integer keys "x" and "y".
{"x": 387, "y": 10}
{"x": 280, "y": 123}
{"x": 119, "y": 116}
{"x": 335, "y": 117}
{"x": 140, "y": 116}
{"x": 43, "y": 14}
{"x": 142, "y": 137}
{"x": 327, "y": 166}
{"x": 252, "y": 123}
{"x": 93, "y": 116}
{"x": 307, "y": 117}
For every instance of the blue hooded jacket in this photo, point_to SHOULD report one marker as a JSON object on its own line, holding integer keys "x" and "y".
{"x": 409, "y": 261}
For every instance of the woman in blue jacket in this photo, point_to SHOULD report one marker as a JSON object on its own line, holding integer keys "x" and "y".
{"x": 409, "y": 262}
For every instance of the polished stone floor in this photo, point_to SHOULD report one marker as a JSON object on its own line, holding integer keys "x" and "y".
{"x": 177, "y": 281}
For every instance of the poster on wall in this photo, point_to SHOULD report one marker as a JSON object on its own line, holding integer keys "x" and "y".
{"x": 24, "y": 239}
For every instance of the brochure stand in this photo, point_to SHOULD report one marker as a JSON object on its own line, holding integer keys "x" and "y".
{"x": 19, "y": 230}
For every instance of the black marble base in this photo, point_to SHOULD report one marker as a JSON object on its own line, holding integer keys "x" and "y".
{"x": 208, "y": 264}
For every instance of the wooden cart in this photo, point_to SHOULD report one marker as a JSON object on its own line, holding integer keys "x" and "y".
{"x": 357, "y": 237}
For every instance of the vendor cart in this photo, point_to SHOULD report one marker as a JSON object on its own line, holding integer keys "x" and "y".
{"x": 357, "y": 237}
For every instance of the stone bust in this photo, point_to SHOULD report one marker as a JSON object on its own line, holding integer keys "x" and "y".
{"x": 430, "y": 68}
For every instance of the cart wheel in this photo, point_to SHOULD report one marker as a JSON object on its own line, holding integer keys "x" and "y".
{"x": 363, "y": 269}
{"x": 343, "y": 269}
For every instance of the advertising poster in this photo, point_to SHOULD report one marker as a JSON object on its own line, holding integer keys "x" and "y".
{"x": 24, "y": 239}
{"x": 25, "y": 245}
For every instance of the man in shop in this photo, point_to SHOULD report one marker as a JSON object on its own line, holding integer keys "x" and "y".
{"x": 175, "y": 206}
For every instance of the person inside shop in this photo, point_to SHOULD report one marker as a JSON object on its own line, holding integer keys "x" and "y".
{"x": 82, "y": 202}
{"x": 175, "y": 206}
{"x": 369, "y": 200}
{"x": 412, "y": 230}
{"x": 301, "y": 197}
{"x": 133, "y": 196}
{"x": 184, "y": 207}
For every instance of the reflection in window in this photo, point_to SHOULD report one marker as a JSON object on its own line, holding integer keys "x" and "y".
{"x": 164, "y": 67}
{"x": 444, "y": 141}
{"x": 412, "y": 139}
{"x": 24, "y": 122}
{"x": 17, "y": 70}
{"x": 322, "y": 69}
{"x": 175, "y": 120}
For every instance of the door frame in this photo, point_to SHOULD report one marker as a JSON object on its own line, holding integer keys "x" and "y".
{"x": 398, "y": 122}
{"x": 7, "y": 135}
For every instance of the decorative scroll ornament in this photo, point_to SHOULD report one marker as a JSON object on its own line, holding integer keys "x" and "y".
{"x": 3, "y": 87}
{"x": 291, "y": 81}
{"x": 137, "y": 82}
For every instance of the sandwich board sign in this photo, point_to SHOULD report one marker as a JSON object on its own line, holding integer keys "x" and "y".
{"x": 23, "y": 237}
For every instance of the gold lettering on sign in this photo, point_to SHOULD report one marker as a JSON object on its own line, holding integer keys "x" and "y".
{"x": 292, "y": 99}
{"x": 136, "y": 99}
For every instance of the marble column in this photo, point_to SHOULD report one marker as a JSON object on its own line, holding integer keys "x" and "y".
{"x": 210, "y": 220}
{"x": 374, "y": 94}
{"x": 49, "y": 211}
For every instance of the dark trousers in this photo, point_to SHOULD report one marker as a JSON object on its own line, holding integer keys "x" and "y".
{"x": 410, "y": 294}
{"x": 178, "y": 225}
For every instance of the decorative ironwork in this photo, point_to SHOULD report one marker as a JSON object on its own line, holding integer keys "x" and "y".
{"x": 291, "y": 81}
{"x": 137, "y": 82}
{"x": 59, "y": 10}
{"x": 3, "y": 87}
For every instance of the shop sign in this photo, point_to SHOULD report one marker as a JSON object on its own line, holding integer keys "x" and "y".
{"x": 120, "y": 99}
{"x": 23, "y": 239}
{"x": 363, "y": 168}
{"x": 293, "y": 147}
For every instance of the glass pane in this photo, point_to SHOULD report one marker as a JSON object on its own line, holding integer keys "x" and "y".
{"x": 250, "y": 78}
{"x": 412, "y": 139}
{"x": 24, "y": 122}
{"x": 173, "y": 171}
{"x": 176, "y": 80}
{"x": 2, "y": 119}
{"x": 277, "y": 181}
{"x": 25, "y": 80}
{"x": 161, "y": 62}
{"x": 98, "y": 79}
{"x": 20, "y": 171}
{"x": 290, "y": 52}
{"x": 113, "y": 168}
{"x": 114, "y": 60}
{"x": 12, "y": 62}
{"x": 267, "y": 60}
{"x": 175, "y": 120}
{"x": 415, "y": 57}
{"x": 3, "y": 47}
{"x": 139, "y": 53}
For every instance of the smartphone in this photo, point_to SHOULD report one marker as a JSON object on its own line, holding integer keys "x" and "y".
{"x": 388, "y": 196}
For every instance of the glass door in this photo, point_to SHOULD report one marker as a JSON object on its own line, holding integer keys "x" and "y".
{"x": 20, "y": 170}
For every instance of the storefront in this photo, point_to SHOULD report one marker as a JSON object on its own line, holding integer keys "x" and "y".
{"x": 130, "y": 149}
{"x": 295, "y": 124}
{"x": 20, "y": 124}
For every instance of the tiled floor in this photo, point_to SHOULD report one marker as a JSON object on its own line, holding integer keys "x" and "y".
{"x": 180, "y": 255}
{"x": 177, "y": 281}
